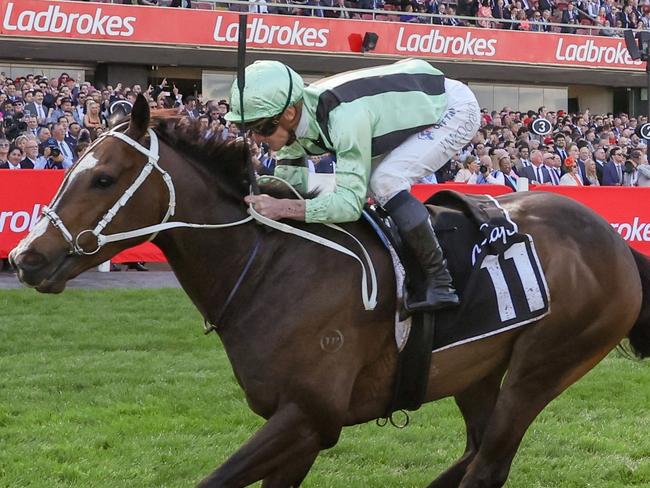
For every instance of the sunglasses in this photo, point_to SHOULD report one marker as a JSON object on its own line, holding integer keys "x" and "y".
{"x": 264, "y": 127}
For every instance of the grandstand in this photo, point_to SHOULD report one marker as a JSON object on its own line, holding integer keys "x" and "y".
{"x": 505, "y": 66}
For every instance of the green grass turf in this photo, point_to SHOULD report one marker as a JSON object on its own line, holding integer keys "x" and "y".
{"x": 121, "y": 389}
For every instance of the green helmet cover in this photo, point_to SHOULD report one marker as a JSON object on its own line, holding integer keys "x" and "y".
{"x": 271, "y": 87}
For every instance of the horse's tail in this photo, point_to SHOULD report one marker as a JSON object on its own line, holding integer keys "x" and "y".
{"x": 639, "y": 336}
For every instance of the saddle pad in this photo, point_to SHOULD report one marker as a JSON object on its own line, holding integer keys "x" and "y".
{"x": 495, "y": 269}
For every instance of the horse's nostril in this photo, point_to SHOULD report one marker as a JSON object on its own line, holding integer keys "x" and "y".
{"x": 30, "y": 260}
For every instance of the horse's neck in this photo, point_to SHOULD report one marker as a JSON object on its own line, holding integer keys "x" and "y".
{"x": 207, "y": 261}
{"x": 208, "y": 266}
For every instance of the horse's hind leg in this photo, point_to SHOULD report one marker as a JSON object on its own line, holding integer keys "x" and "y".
{"x": 476, "y": 403}
{"x": 536, "y": 375}
{"x": 283, "y": 450}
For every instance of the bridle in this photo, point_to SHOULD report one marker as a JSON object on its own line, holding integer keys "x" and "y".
{"x": 152, "y": 155}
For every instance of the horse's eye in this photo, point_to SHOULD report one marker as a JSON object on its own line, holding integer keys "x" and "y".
{"x": 103, "y": 181}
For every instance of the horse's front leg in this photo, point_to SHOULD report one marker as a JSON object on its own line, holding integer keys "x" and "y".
{"x": 282, "y": 451}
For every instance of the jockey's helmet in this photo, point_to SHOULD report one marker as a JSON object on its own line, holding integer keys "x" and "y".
{"x": 271, "y": 87}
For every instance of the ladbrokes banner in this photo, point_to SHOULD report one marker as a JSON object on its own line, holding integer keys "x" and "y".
{"x": 108, "y": 22}
{"x": 23, "y": 194}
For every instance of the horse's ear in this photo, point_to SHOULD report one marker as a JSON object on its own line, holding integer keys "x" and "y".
{"x": 140, "y": 117}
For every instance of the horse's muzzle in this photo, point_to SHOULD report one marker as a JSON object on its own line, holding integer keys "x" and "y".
{"x": 35, "y": 270}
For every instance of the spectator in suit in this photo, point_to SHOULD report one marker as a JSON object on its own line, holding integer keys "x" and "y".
{"x": 78, "y": 111}
{"x": 570, "y": 16}
{"x": 560, "y": 146}
{"x": 613, "y": 170}
{"x": 546, "y": 20}
{"x": 10, "y": 91}
{"x": 31, "y": 154}
{"x": 190, "y": 109}
{"x": 15, "y": 158}
{"x": 536, "y": 23}
{"x": 442, "y": 10}
{"x": 452, "y": 20}
{"x": 72, "y": 141}
{"x": 181, "y": 3}
{"x": 533, "y": 172}
{"x": 36, "y": 107}
{"x": 551, "y": 169}
{"x": 610, "y": 11}
{"x": 628, "y": 17}
{"x": 73, "y": 136}
{"x": 433, "y": 6}
{"x": 69, "y": 157}
{"x": 268, "y": 162}
{"x": 32, "y": 125}
{"x": 504, "y": 175}
{"x": 592, "y": 7}
{"x": 524, "y": 158}
{"x": 600, "y": 159}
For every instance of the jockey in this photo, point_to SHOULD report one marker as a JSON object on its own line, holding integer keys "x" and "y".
{"x": 388, "y": 126}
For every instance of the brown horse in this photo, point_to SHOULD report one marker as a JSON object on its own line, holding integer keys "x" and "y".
{"x": 294, "y": 296}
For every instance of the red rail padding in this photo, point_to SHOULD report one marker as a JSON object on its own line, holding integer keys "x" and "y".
{"x": 626, "y": 209}
{"x": 23, "y": 194}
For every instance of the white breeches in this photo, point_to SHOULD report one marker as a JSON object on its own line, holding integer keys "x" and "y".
{"x": 427, "y": 151}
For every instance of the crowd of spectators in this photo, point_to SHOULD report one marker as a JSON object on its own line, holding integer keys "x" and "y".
{"x": 48, "y": 123}
{"x": 583, "y": 149}
{"x": 524, "y": 15}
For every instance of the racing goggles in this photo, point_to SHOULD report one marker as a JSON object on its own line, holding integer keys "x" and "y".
{"x": 264, "y": 127}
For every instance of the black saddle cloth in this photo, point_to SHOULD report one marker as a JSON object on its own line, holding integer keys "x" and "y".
{"x": 494, "y": 267}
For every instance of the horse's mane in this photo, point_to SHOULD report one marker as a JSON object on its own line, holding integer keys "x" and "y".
{"x": 223, "y": 159}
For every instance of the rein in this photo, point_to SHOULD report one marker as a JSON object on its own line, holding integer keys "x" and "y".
{"x": 152, "y": 154}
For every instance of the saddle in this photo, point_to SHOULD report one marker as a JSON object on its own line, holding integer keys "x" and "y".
{"x": 496, "y": 274}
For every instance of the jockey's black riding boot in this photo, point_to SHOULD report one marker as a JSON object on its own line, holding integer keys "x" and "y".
{"x": 412, "y": 219}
